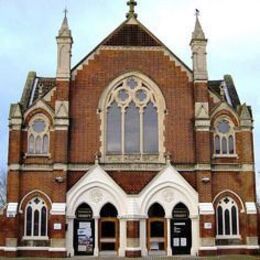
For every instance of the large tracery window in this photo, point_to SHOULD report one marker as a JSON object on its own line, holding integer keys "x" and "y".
{"x": 227, "y": 218}
{"x": 132, "y": 119}
{"x": 38, "y": 136}
{"x": 224, "y": 138}
{"x": 36, "y": 219}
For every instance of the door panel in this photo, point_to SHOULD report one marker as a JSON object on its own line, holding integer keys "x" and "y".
{"x": 181, "y": 236}
{"x": 84, "y": 237}
{"x": 108, "y": 234}
{"x": 156, "y": 235}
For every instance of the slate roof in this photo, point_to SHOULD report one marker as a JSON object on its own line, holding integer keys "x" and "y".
{"x": 33, "y": 87}
{"x": 131, "y": 35}
{"x": 215, "y": 86}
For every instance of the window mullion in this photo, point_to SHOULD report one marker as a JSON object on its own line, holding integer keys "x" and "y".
{"x": 224, "y": 222}
{"x": 32, "y": 224}
{"x": 230, "y": 221}
{"x": 141, "y": 111}
{"x": 123, "y": 130}
{"x": 40, "y": 222}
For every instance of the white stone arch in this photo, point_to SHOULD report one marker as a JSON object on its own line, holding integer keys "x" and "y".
{"x": 43, "y": 195}
{"x": 156, "y": 194}
{"x": 104, "y": 194}
{"x": 147, "y": 80}
{"x": 232, "y": 193}
{"x": 159, "y": 103}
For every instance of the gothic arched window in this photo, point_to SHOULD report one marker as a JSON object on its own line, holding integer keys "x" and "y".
{"x": 133, "y": 111}
{"x": 36, "y": 219}
{"x": 227, "y": 218}
{"x": 224, "y": 138}
{"x": 38, "y": 136}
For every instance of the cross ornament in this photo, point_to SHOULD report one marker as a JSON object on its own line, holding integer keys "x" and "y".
{"x": 131, "y": 4}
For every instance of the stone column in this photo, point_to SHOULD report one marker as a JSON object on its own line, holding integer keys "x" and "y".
{"x": 143, "y": 237}
{"x": 169, "y": 247}
{"x": 70, "y": 236}
{"x": 122, "y": 237}
{"x": 96, "y": 248}
{"x": 195, "y": 235}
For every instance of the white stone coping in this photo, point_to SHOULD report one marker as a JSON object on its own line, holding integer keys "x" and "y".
{"x": 251, "y": 208}
{"x": 11, "y": 209}
{"x": 31, "y": 248}
{"x": 206, "y": 208}
{"x": 229, "y": 247}
{"x": 58, "y": 209}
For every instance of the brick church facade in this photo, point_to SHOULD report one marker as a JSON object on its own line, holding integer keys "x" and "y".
{"x": 130, "y": 153}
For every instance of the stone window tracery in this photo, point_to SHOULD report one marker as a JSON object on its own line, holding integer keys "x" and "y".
{"x": 36, "y": 219}
{"x": 227, "y": 218}
{"x": 38, "y": 136}
{"x": 224, "y": 138}
{"x": 131, "y": 120}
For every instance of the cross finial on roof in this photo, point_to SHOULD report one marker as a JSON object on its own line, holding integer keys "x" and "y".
{"x": 131, "y": 13}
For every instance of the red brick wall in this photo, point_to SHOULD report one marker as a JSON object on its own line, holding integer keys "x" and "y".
{"x": 90, "y": 82}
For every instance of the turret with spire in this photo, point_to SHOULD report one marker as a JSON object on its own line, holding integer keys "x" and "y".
{"x": 198, "y": 46}
{"x": 64, "y": 47}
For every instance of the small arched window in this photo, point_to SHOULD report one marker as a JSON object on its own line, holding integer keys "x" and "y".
{"x": 132, "y": 112}
{"x": 36, "y": 219}
{"x": 38, "y": 136}
{"x": 227, "y": 218}
{"x": 224, "y": 138}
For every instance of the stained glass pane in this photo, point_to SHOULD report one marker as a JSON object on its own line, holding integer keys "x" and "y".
{"x": 29, "y": 221}
{"x": 217, "y": 145}
{"x": 220, "y": 221}
{"x": 224, "y": 145}
{"x": 132, "y": 83}
{"x": 234, "y": 220}
{"x": 223, "y": 126}
{"x": 31, "y": 144}
{"x": 227, "y": 222}
{"x": 132, "y": 129}
{"x": 38, "y": 125}
{"x": 141, "y": 95}
{"x": 45, "y": 147}
{"x": 38, "y": 145}
{"x": 150, "y": 126}
{"x": 123, "y": 95}
{"x": 114, "y": 129}
{"x": 231, "y": 144}
{"x": 36, "y": 223}
{"x": 43, "y": 222}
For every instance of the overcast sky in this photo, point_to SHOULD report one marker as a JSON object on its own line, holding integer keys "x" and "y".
{"x": 28, "y": 29}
